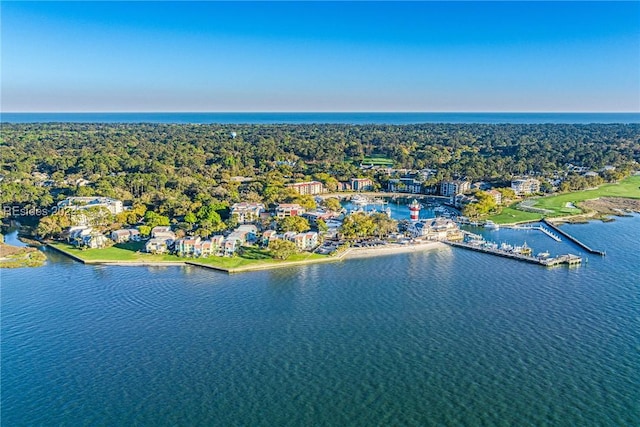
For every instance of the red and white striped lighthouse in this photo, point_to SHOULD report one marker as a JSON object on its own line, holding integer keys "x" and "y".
{"x": 414, "y": 207}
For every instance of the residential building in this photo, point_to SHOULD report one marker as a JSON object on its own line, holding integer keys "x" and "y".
{"x": 289, "y": 209}
{"x": 79, "y": 203}
{"x": 247, "y": 212}
{"x": 163, "y": 232}
{"x": 187, "y": 246}
{"x": 269, "y": 236}
{"x": 497, "y": 196}
{"x": 525, "y": 186}
{"x": 308, "y": 188}
{"x": 451, "y": 188}
{"x": 361, "y": 184}
{"x": 405, "y": 185}
{"x": 125, "y": 235}
{"x": 156, "y": 246}
{"x": 94, "y": 241}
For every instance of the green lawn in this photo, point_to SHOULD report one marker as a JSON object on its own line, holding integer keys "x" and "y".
{"x": 510, "y": 215}
{"x": 120, "y": 252}
{"x": 629, "y": 188}
{"x": 132, "y": 252}
{"x": 380, "y": 161}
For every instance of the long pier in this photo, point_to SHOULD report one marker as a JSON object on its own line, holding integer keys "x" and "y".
{"x": 547, "y": 262}
{"x": 535, "y": 227}
{"x": 573, "y": 239}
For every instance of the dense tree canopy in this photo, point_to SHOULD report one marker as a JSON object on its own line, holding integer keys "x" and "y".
{"x": 179, "y": 169}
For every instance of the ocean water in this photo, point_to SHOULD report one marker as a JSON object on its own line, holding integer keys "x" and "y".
{"x": 446, "y": 337}
{"x": 340, "y": 118}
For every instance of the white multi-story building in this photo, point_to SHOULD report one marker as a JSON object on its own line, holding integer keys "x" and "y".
{"x": 525, "y": 186}
{"x": 308, "y": 188}
{"x": 247, "y": 212}
{"x": 78, "y": 203}
{"x": 451, "y": 188}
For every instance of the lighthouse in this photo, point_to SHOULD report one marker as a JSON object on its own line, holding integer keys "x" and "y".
{"x": 414, "y": 207}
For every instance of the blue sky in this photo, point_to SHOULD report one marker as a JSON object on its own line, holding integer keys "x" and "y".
{"x": 320, "y": 56}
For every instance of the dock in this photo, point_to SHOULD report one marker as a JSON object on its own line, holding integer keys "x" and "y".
{"x": 535, "y": 227}
{"x": 573, "y": 239}
{"x": 568, "y": 259}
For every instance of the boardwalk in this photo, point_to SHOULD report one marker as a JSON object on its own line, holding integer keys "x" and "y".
{"x": 535, "y": 227}
{"x": 548, "y": 262}
{"x": 573, "y": 239}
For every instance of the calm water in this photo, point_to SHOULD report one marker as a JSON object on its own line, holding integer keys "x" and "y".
{"x": 449, "y": 337}
{"x": 344, "y": 118}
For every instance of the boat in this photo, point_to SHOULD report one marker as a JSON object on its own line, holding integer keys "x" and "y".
{"x": 490, "y": 225}
{"x": 543, "y": 255}
{"x": 359, "y": 200}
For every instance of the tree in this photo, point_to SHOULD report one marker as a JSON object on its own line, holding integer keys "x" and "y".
{"x": 282, "y": 249}
{"x": 144, "y": 230}
{"x": 332, "y": 204}
{"x": 190, "y": 218}
{"x": 293, "y": 223}
{"x": 153, "y": 219}
{"x": 357, "y": 225}
{"x": 322, "y": 226}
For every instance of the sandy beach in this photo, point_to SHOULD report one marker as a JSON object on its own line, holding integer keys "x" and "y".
{"x": 392, "y": 249}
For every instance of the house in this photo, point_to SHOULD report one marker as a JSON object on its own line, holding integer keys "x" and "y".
{"x": 163, "y": 232}
{"x": 94, "y": 241}
{"x": 246, "y": 212}
{"x": 217, "y": 244}
{"x": 186, "y": 246}
{"x": 289, "y": 209}
{"x": 125, "y": 235}
{"x": 230, "y": 246}
{"x": 156, "y": 246}
{"x": 80, "y": 203}
{"x": 289, "y": 235}
{"x": 344, "y": 186}
{"x": 204, "y": 249}
{"x": 525, "y": 186}
{"x": 308, "y": 188}
{"x": 451, "y": 188}
{"x": 497, "y": 196}
{"x": 361, "y": 184}
{"x": 268, "y": 236}
{"x": 311, "y": 240}
{"x": 77, "y": 233}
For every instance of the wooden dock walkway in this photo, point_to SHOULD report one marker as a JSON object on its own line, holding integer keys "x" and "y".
{"x": 535, "y": 227}
{"x": 547, "y": 262}
{"x": 573, "y": 239}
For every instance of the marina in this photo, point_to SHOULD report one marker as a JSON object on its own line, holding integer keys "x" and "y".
{"x": 573, "y": 239}
{"x": 511, "y": 253}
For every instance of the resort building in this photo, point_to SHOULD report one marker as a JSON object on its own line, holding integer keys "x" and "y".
{"x": 308, "y": 188}
{"x": 289, "y": 209}
{"x": 79, "y": 203}
{"x": 125, "y": 235}
{"x": 497, "y": 196}
{"x": 156, "y": 246}
{"x": 163, "y": 232}
{"x": 361, "y": 184}
{"x": 451, "y": 188}
{"x": 525, "y": 186}
{"x": 247, "y": 212}
{"x": 404, "y": 185}
{"x": 435, "y": 229}
{"x": 94, "y": 241}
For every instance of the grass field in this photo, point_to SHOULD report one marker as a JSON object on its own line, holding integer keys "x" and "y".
{"x": 378, "y": 161}
{"x": 132, "y": 252}
{"x": 561, "y": 205}
{"x": 629, "y": 188}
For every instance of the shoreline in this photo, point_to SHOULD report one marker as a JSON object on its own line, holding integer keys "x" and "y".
{"x": 392, "y": 249}
{"x": 351, "y": 253}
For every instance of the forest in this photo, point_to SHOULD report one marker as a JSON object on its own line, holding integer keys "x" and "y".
{"x": 177, "y": 169}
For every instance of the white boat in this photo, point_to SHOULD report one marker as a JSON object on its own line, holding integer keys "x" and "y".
{"x": 359, "y": 200}
{"x": 490, "y": 225}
